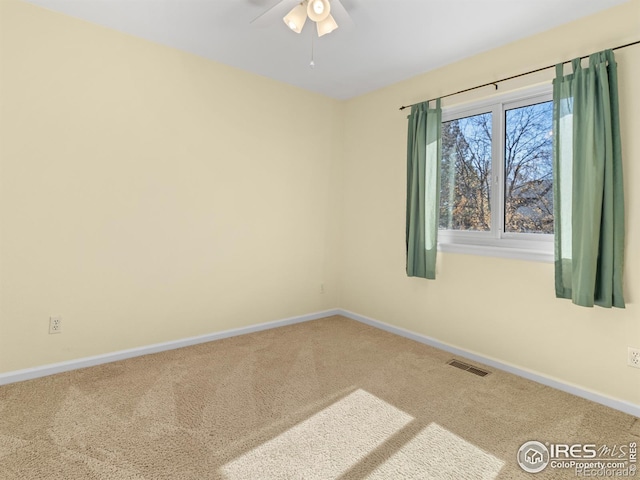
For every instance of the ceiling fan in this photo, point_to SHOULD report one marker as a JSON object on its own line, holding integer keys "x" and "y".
{"x": 322, "y": 12}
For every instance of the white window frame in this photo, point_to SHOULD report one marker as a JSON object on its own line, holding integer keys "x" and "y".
{"x": 497, "y": 242}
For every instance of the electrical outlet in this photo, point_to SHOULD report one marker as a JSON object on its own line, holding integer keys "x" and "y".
{"x": 633, "y": 357}
{"x": 55, "y": 324}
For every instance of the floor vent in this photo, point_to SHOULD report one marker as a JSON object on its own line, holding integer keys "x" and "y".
{"x": 468, "y": 368}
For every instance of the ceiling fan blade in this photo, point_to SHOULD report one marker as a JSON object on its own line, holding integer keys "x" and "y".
{"x": 276, "y": 12}
{"x": 340, "y": 14}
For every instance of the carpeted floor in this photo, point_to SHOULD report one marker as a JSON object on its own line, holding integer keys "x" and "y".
{"x": 326, "y": 399}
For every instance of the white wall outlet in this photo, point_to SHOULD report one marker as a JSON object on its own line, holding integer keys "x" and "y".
{"x": 633, "y": 357}
{"x": 55, "y": 324}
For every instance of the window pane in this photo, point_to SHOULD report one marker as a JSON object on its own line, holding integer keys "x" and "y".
{"x": 465, "y": 188}
{"x": 528, "y": 206}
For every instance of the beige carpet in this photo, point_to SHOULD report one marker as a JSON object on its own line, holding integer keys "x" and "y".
{"x": 327, "y": 399}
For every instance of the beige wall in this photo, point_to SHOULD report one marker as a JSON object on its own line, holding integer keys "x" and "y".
{"x": 502, "y": 309}
{"x": 149, "y": 195}
{"x": 132, "y": 204}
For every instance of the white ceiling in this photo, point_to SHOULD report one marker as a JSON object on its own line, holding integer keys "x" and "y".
{"x": 389, "y": 41}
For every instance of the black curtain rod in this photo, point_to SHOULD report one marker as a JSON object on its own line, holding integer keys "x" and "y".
{"x": 495, "y": 83}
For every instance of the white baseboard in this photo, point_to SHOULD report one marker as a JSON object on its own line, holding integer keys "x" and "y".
{"x": 53, "y": 368}
{"x": 623, "y": 406}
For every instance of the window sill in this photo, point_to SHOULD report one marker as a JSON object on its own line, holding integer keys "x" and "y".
{"x": 537, "y": 255}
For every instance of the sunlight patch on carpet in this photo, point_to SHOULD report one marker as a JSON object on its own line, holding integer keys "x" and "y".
{"x": 437, "y": 453}
{"x": 325, "y": 445}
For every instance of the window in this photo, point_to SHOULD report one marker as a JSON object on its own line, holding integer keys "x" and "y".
{"x": 496, "y": 185}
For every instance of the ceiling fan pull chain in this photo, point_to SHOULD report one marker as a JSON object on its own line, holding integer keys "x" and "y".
{"x": 312, "y": 64}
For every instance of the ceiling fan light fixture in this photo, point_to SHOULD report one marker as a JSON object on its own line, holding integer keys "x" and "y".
{"x": 328, "y": 25}
{"x": 318, "y": 10}
{"x": 296, "y": 18}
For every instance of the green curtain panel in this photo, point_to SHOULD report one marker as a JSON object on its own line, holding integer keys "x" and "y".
{"x": 588, "y": 184}
{"x": 423, "y": 189}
